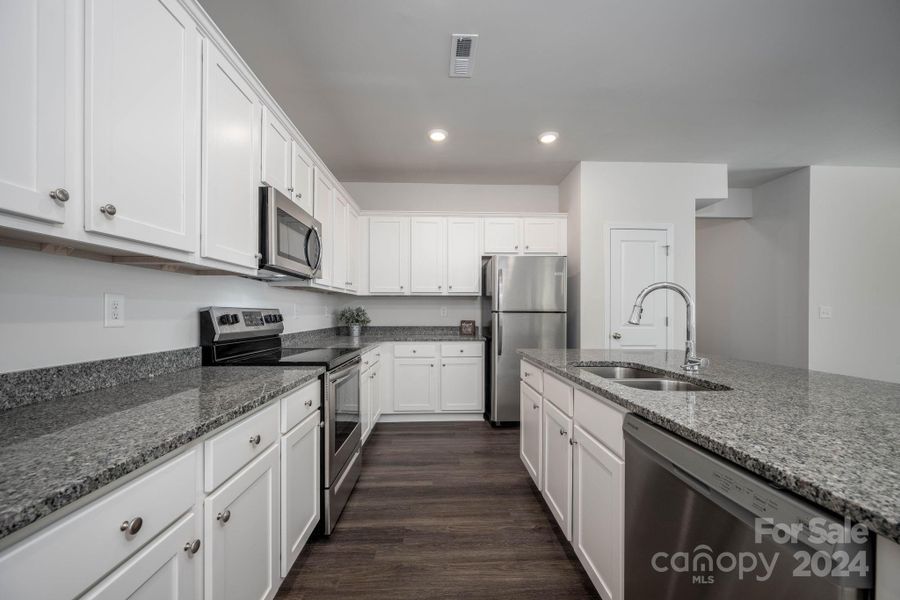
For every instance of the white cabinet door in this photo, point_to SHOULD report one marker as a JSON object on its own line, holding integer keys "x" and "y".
{"x": 541, "y": 236}
{"x": 530, "y": 419}
{"x": 353, "y": 258}
{"x": 366, "y": 385}
{"x": 242, "y": 528}
{"x": 229, "y": 218}
{"x": 324, "y": 213}
{"x": 463, "y": 256}
{"x": 300, "y": 488}
{"x": 598, "y": 517}
{"x": 277, "y": 154}
{"x": 168, "y": 568}
{"x": 556, "y": 451}
{"x": 33, "y": 108}
{"x": 462, "y": 384}
{"x": 339, "y": 239}
{"x": 142, "y": 122}
{"x": 426, "y": 255}
{"x": 377, "y": 395}
{"x": 416, "y": 384}
{"x": 302, "y": 177}
{"x": 502, "y": 235}
{"x": 389, "y": 255}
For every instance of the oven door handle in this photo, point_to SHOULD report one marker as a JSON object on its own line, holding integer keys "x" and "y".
{"x": 345, "y": 373}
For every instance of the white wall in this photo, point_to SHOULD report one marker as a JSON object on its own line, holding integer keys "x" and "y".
{"x": 738, "y": 205}
{"x": 51, "y": 308}
{"x": 853, "y": 258}
{"x": 570, "y": 203}
{"x": 411, "y": 310}
{"x": 752, "y": 277}
{"x": 618, "y": 193}
{"x": 454, "y": 197}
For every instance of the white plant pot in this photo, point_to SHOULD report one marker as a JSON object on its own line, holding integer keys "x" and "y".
{"x": 355, "y": 329}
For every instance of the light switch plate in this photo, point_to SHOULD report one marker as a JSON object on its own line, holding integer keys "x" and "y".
{"x": 113, "y": 310}
{"x": 824, "y": 312}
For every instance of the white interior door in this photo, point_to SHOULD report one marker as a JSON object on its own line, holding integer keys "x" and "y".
{"x": 637, "y": 258}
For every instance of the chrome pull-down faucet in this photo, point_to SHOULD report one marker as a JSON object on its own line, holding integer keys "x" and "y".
{"x": 691, "y": 361}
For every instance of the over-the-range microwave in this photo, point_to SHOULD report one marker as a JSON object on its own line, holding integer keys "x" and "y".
{"x": 290, "y": 239}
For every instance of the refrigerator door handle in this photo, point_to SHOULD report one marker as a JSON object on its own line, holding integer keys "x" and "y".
{"x": 499, "y": 335}
{"x": 499, "y": 287}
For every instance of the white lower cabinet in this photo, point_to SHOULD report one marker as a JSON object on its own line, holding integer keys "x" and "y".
{"x": 376, "y": 395}
{"x": 462, "y": 388}
{"x": 416, "y": 384}
{"x": 598, "y": 518}
{"x": 242, "y": 526}
{"x": 557, "y": 465}
{"x": 169, "y": 568}
{"x": 300, "y": 488}
{"x": 530, "y": 417}
{"x": 369, "y": 399}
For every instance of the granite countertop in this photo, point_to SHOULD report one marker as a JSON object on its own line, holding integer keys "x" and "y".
{"x": 364, "y": 342}
{"x": 831, "y": 439}
{"x": 54, "y": 452}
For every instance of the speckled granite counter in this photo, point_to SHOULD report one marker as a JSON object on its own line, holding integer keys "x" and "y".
{"x": 54, "y": 452}
{"x": 831, "y": 439}
{"x": 382, "y": 337}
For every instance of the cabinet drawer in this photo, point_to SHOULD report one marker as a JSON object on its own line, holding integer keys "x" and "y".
{"x": 370, "y": 358}
{"x": 461, "y": 349}
{"x": 531, "y": 375}
{"x": 296, "y": 406}
{"x": 601, "y": 420}
{"x": 415, "y": 350}
{"x": 64, "y": 559}
{"x": 559, "y": 393}
{"x": 229, "y": 451}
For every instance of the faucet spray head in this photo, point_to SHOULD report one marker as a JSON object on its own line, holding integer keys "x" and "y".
{"x": 636, "y": 314}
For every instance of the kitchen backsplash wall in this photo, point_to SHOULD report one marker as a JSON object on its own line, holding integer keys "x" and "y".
{"x": 411, "y": 310}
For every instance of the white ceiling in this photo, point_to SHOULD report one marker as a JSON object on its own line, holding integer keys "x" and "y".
{"x": 763, "y": 85}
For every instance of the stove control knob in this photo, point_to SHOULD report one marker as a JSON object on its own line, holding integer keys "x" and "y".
{"x": 267, "y": 318}
{"x": 225, "y": 320}
{"x": 235, "y": 319}
{"x": 280, "y": 318}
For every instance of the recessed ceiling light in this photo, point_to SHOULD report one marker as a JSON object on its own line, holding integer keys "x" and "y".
{"x": 548, "y": 137}
{"x": 437, "y": 135}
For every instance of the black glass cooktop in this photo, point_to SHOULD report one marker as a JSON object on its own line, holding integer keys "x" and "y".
{"x": 319, "y": 357}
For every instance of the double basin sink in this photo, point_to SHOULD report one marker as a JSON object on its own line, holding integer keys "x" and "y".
{"x": 643, "y": 379}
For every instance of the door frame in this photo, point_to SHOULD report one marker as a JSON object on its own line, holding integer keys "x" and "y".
{"x": 608, "y": 228}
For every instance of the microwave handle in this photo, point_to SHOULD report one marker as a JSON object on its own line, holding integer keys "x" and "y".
{"x": 319, "y": 242}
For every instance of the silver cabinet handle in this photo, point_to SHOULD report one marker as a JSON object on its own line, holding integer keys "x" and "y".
{"x": 535, "y": 406}
{"x": 108, "y": 209}
{"x": 258, "y": 256}
{"x": 432, "y": 365}
{"x": 617, "y": 336}
{"x": 131, "y": 527}
{"x": 414, "y": 351}
{"x": 61, "y": 194}
{"x": 527, "y": 374}
{"x": 527, "y": 247}
{"x": 401, "y": 287}
{"x": 290, "y": 189}
{"x": 255, "y": 439}
{"x": 192, "y": 547}
{"x": 461, "y": 350}
{"x": 308, "y": 403}
{"x": 572, "y": 442}
{"x": 223, "y": 516}
{"x": 563, "y": 432}
{"x": 443, "y": 364}
{"x": 450, "y": 287}
{"x": 299, "y": 195}
{"x": 439, "y": 287}
{"x": 516, "y": 247}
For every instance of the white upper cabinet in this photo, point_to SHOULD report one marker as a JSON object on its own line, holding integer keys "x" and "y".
{"x": 463, "y": 256}
{"x": 142, "y": 122}
{"x": 502, "y": 235}
{"x": 324, "y": 212}
{"x": 302, "y": 177}
{"x": 277, "y": 154}
{"x": 389, "y": 255}
{"x": 541, "y": 236}
{"x": 230, "y": 169}
{"x": 427, "y": 255}
{"x": 353, "y": 247}
{"x": 33, "y": 109}
{"x": 339, "y": 242}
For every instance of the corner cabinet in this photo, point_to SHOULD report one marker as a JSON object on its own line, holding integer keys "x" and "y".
{"x": 230, "y": 168}
{"x": 33, "y": 106}
{"x": 142, "y": 122}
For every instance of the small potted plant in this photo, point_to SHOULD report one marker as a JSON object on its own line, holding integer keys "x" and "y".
{"x": 354, "y": 318}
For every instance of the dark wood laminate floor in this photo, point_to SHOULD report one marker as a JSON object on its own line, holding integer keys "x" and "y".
{"x": 441, "y": 511}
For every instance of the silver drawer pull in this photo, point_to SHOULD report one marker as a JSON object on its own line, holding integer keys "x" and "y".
{"x": 572, "y": 442}
{"x": 308, "y": 403}
{"x": 461, "y": 350}
{"x": 535, "y": 406}
{"x": 527, "y": 374}
{"x": 255, "y": 439}
{"x": 563, "y": 432}
{"x": 60, "y": 194}
{"x": 223, "y": 516}
{"x": 192, "y": 547}
{"x": 108, "y": 209}
{"x": 131, "y": 527}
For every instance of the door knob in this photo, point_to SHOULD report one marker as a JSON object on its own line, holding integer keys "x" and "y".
{"x": 617, "y": 336}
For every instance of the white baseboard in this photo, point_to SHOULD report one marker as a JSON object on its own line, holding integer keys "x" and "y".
{"x": 430, "y": 417}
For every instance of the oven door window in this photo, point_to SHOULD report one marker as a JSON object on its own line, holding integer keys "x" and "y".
{"x": 346, "y": 409}
{"x": 296, "y": 241}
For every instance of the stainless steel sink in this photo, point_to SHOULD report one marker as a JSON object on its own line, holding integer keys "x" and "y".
{"x": 663, "y": 385}
{"x": 620, "y": 372}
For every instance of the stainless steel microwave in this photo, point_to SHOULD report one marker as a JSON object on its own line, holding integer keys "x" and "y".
{"x": 290, "y": 239}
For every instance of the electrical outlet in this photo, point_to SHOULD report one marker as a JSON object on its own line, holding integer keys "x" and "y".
{"x": 443, "y": 311}
{"x": 296, "y": 311}
{"x": 824, "y": 312}
{"x": 113, "y": 310}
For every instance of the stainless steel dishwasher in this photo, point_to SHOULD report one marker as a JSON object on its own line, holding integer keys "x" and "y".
{"x": 699, "y": 528}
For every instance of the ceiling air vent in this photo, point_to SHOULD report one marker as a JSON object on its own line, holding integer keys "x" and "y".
{"x": 462, "y": 54}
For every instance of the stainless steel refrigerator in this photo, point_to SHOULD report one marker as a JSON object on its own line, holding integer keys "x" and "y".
{"x": 523, "y": 306}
